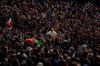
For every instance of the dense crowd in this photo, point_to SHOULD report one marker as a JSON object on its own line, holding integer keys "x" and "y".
{"x": 69, "y": 32}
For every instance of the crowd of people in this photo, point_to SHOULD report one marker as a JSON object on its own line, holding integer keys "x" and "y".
{"x": 69, "y": 32}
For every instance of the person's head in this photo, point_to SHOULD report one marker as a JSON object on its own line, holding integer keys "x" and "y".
{"x": 98, "y": 57}
{"x": 65, "y": 56}
{"x": 15, "y": 62}
{"x": 69, "y": 53}
{"x": 52, "y": 29}
{"x": 85, "y": 54}
{"x": 40, "y": 64}
{"x": 64, "y": 63}
{"x": 74, "y": 64}
{"x": 76, "y": 59}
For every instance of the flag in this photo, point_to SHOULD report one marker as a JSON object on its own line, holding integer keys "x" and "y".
{"x": 32, "y": 40}
{"x": 37, "y": 42}
{"x": 29, "y": 40}
{"x": 9, "y": 23}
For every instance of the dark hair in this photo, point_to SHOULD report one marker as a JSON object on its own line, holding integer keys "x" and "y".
{"x": 15, "y": 62}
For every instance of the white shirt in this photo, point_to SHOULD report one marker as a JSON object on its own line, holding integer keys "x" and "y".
{"x": 83, "y": 48}
{"x": 52, "y": 33}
